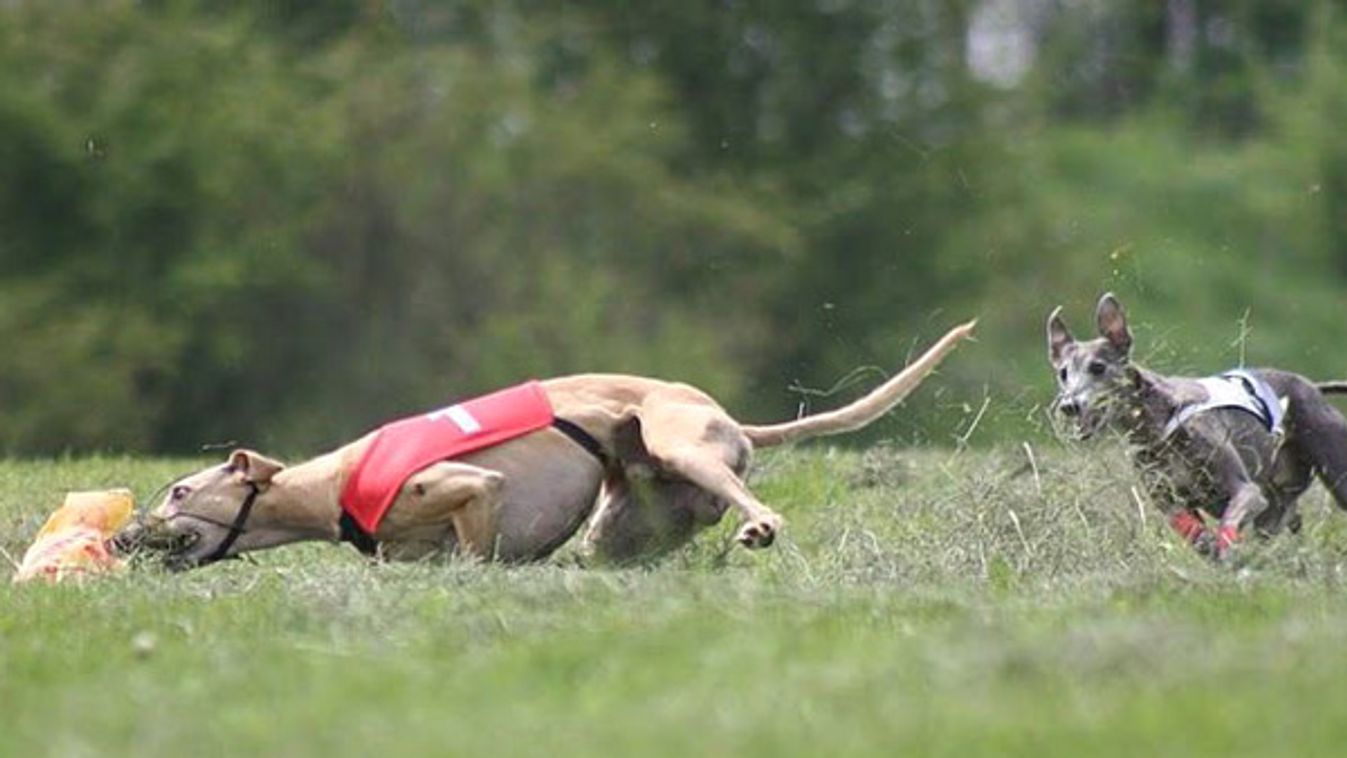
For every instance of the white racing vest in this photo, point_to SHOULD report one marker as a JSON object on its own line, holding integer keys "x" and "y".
{"x": 1234, "y": 389}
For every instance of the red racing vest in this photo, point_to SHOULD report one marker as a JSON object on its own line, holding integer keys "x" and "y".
{"x": 402, "y": 448}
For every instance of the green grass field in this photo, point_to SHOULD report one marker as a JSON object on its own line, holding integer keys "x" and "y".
{"x": 931, "y": 602}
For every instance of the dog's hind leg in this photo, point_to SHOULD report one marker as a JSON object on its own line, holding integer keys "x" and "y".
{"x": 643, "y": 516}
{"x": 1320, "y": 431}
{"x": 761, "y": 524}
{"x": 448, "y": 494}
{"x": 703, "y": 447}
{"x": 641, "y": 519}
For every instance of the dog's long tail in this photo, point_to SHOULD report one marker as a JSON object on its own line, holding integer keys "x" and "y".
{"x": 1332, "y": 388}
{"x": 866, "y": 409}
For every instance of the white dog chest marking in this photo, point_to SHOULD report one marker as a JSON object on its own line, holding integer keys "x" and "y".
{"x": 460, "y": 416}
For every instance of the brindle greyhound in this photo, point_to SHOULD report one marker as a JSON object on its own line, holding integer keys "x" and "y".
{"x": 667, "y": 461}
{"x": 1193, "y": 457}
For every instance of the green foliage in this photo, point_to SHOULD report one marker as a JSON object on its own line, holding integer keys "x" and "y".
{"x": 129, "y": 222}
{"x": 224, "y": 222}
{"x": 377, "y": 228}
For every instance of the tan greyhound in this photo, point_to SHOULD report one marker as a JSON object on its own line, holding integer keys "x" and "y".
{"x": 663, "y": 461}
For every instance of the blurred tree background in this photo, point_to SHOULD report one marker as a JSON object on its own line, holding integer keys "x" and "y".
{"x": 281, "y": 222}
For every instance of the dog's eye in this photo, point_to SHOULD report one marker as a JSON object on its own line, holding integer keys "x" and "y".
{"x": 180, "y": 492}
{"x": 1062, "y": 374}
{"x": 1097, "y": 368}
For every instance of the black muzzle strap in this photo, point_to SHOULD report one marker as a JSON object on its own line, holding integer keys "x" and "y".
{"x": 235, "y": 529}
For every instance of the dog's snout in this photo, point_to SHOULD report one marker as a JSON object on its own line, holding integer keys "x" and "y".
{"x": 1070, "y": 408}
{"x": 160, "y": 516}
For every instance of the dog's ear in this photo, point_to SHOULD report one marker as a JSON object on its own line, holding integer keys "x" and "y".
{"x": 1058, "y": 336}
{"x": 253, "y": 467}
{"x": 1113, "y": 323}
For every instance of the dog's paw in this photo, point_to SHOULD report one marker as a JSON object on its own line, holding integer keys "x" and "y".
{"x": 760, "y": 532}
{"x": 1205, "y": 545}
{"x": 1227, "y": 537}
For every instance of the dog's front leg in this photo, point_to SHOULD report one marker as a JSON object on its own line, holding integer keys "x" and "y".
{"x": 1246, "y": 499}
{"x": 1189, "y": 525}
{"x": 1245, "y": 505}
{"x": 1185, "y": 520}
{"x": 445, "y": 494}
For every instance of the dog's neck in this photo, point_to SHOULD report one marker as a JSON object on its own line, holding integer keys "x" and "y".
{"x": 1147, "y": 404}
{"x": 305, "y": 498}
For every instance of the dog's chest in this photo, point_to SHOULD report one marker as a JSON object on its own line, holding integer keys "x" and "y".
{"x": 1177, "y": 477}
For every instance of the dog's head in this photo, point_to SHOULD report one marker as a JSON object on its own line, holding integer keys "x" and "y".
{"x": 1092, "y": 374}
{"x": 199, "y": 512}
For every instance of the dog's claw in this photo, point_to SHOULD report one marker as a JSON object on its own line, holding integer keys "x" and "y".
{"x": 759, "y": 533}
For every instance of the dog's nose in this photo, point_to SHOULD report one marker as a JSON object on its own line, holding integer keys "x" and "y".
{"x": 1069, "y": 408}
